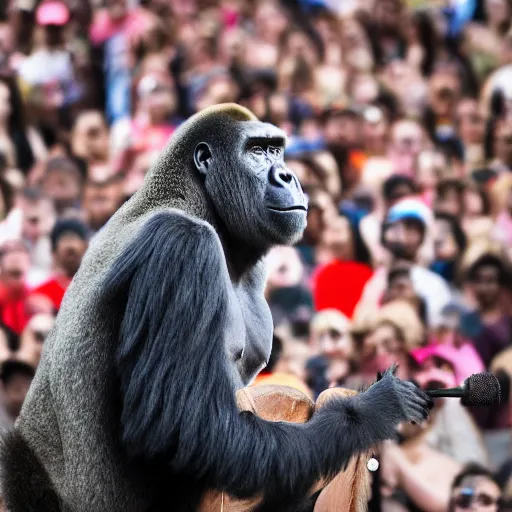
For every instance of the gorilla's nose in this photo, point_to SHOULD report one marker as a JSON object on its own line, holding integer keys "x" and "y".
{"x": 284, "y": 192}
{"x": 281, "y": 177}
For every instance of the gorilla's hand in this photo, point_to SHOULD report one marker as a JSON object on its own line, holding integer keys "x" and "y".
{"x": 398, "y": 400}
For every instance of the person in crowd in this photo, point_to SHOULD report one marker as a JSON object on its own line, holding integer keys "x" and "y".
{"x": 101, "y": 199}
{"x": 475, "y": 488}
{"x": 69, "y": 239}
{"x": 63, "y": 184}
{"x": 450, "y": 243}
{"x": 21, "y": 143}
{"x": 38, "y": 220}
{"x": 384, "y": 339}
{"x": 339, "y": 280}
{"x": 15, "y": 379}
{"x": 403, "y": 234}
{"x": 14, "y": 293}
{"x": 331, "y": 340}
{"x": 489, "y": 324}
{"x": 32, "y": 339}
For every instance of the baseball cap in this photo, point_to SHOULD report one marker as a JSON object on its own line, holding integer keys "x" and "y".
{"x": 409, "y": 209}
{"x": 52, "y": 13}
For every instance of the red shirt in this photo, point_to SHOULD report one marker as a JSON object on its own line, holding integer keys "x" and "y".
{"x": 339, "y": 285}
{"x": 13, "y": 310}
{"x": 54, "y": 289}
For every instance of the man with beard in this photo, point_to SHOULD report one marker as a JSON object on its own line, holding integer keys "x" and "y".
{"x": 69, "y": 240}
{"x": 403, "y": 233}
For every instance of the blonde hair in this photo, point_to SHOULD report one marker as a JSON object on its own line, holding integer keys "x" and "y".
{"x": 401, "y": 315}
{"x": 329, "y": 318}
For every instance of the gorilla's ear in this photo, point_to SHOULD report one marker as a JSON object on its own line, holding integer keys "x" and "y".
{"x": 202, "y": 157}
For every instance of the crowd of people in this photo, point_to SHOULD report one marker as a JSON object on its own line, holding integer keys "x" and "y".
{"x": 399, "y": 117}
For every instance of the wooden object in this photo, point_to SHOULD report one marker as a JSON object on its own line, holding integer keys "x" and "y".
{"x": 347, "y": 492}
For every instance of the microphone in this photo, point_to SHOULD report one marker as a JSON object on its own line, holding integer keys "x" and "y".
{"x": 478, "y": 390}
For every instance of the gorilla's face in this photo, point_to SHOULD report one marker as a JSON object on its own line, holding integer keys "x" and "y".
{"x": 259, "y": 199}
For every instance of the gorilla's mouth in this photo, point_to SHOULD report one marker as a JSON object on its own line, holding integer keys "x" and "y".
{"x": 288, "y": 208}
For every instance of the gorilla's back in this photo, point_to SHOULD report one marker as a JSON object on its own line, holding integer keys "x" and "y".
{"x": 68, "y": 418}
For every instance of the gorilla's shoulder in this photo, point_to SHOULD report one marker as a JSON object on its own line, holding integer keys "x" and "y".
{"x": 176, "y": 223}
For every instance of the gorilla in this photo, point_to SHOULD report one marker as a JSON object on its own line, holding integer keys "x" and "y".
{"x": 133, "y": 406}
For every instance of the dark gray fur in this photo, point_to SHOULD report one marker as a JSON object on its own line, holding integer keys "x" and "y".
{"x": 133, "y": 406}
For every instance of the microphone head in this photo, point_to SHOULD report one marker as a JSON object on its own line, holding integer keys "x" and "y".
{"x": 481, "y": 390}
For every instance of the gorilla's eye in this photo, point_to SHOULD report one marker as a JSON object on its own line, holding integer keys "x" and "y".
{"x": 275, "y": 151}
{"x": 257, "y": 150}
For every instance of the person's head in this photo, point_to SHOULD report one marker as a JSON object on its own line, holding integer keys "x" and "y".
{"x": 450, "y": 241}
{"x": 404, "y": 228}
{"x": 476, "y": 202}
{"x": 487, "y": 276}
{"x": 475, "y": 489}
{"x": 69, "y": 238}
{"x": 450, "y": 197}
{"x": 156, "y": 96}
{"x": 498, "y": 13}
{"x": 33, "y": 338}
{"x": 117, "y": 9}
{"x": 63, "y": 183}
{"x": 101, "y": 201}
{"x": 387, "y": 15}
{"x": 400, "y": 285}
{"x": 396, "y": 188}
{"x": 320, "y": 209}
{"x": 38, "y": 214}
{"x": 52, "y": 16}
{"x": 342, "y": 127}
{"x": 14, "y": 265}
{"x": 445, "y": 88}
{"x": 390, "y": 333}
{"x": 470, "y": 121}
{"x": 407, "y": 140}
{"x": 330, "y": 334}
{"x": 503, "y": 142}
{"x": 16, "y": 378}
{"x": 337, "y": 239}
{"x": 375, "y": 129}
{"x": 90, "y": 137}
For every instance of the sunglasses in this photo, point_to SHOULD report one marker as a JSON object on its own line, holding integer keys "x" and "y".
{"x": 467, "y": 498}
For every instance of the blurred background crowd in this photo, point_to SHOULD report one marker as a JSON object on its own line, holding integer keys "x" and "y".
{"x": 399, "y": 116}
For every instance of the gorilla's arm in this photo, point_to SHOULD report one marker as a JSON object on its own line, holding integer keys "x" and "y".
{"x": 178, "y": 399}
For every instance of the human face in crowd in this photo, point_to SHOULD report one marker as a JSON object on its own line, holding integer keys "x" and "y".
{"x": 90, "y": 138}
{"x": 69, "y": 253}
{"x": 407, "y": 142}
{"x": 15, "y": 392}
{"x": 37, "y": 218}
{"x": 101, "y": 201}
{"x": 445, "y": 245}
{"x": 381, "y": 349}
{"x": 401, "y": 287}
{"x": 333, "y": 341}
{"x": 63, "y": 187}
{"x": 471, "y": 122}
{"x": 476, "y": 494}
{"x": 404, "y": 239}
{"x": 14, "y": 267}
{"x": 486, "y": 286}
